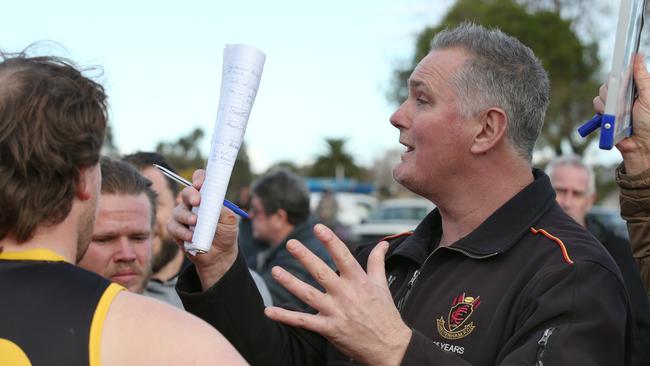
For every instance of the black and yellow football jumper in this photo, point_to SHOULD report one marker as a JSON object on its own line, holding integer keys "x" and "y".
{"x": 51, "y": 312}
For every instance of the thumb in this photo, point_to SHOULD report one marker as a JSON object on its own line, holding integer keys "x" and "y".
{"x": 641, "y": 75}
{"x": 376, "y": 263}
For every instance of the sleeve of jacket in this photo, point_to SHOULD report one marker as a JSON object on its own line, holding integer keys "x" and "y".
{"x": 575, "y": 314}
{"x": 583, "y": 310}
{"x": 635, "y": 209}
{"x": 234, "y": 307}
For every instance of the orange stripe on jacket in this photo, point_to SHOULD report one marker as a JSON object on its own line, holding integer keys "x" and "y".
{"x": 406, "y": 233}
{"x": 558, "y": 241}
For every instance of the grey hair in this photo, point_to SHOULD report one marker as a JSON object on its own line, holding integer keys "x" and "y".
{"x": 576, "y": 161}
{"x": 500, "y": 72}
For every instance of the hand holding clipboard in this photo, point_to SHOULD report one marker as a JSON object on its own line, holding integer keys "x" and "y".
{"x": 615, "y": 120}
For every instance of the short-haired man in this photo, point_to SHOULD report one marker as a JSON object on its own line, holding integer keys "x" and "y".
{"x": 168, "y": 259}
{"x": 497, "y": 274}
{"x": 52, "y": 124}
{"x": 575, "y": 185}
{"x": 120, "y": 249}
{"x": 279, "y": 212}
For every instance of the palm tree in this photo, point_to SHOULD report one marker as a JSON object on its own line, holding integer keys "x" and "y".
{"x": 336, "y": 162}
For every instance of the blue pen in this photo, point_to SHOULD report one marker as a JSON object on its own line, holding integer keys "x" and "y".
{"x": 186, "y": 183}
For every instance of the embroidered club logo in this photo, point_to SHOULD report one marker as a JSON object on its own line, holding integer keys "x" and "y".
{"x": 461, "y": 310}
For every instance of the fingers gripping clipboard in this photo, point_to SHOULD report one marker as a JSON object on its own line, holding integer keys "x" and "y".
{"x": 616, "y": 122}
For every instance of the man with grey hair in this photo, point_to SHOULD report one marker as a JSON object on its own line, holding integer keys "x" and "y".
{"x": 575, "y": 185}
{"x": 496, "y": 274}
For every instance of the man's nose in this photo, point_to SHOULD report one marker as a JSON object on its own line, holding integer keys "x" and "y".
{"x": 566, "y": 199}
{"x": 125, "y": 252}
{"x": 400, "y": 118}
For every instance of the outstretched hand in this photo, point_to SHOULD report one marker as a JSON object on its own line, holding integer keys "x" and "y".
{"x": 356, "y": 313}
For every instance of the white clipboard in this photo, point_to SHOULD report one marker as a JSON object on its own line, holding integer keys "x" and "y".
{"x": 616, "y": 122}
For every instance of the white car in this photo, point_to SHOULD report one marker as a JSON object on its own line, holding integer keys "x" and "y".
{"x": 353, "y": 207}
{"x": 391, "y": 217}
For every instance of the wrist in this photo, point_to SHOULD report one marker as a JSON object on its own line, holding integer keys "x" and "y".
{"x": 635, "y": 162}
{"x": 397, "y": 350}
{"x": 210, "y": 273}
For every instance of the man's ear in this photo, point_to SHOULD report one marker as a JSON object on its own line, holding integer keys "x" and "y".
{"x": 493, "y": 124}
{"x": 282, "y": 215}
{"x": 87, "y": 182}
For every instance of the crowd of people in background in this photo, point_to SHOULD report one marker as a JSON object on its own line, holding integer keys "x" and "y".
{"x": 513, "y": 275}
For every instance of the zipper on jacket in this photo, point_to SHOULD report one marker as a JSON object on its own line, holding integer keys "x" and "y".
{"x": 390, "y": 280}
{"x": 416, "y": 274}
{"x": 409, "y": 286}
{"x": 541, "y": 346}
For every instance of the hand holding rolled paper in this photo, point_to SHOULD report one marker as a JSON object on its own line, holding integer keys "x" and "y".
{"x": 242, "y": 70}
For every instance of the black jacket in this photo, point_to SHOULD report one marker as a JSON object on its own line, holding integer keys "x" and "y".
{"x": 280, "y": 256}
{"x": 619, "y": 248}
{"x": 528, "y": 284}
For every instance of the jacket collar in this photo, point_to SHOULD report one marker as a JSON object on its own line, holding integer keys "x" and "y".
{"x": 299, "y": 232}
{"x": 499, "y": 232}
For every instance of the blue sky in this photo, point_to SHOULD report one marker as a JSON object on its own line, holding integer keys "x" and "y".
{"x": 327, "y": 70}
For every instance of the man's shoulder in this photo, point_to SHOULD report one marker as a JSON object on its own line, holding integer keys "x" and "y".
{"x": 557, "y": 233}
{"x": 362, "y": 252}
{"x": 123, "y": 336}
{"x": 60, "y": 276}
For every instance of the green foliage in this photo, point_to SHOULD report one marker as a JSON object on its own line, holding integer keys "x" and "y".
{"x": 184, "y": 154}
{"x": 109, "y": 148}
{"x": 336, "y": 157}
{"x": 241, "y": 173}
{"x": 571, "y": 63}
{"x": 290, "y": 166}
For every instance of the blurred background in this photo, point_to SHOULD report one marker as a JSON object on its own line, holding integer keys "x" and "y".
{"x": 335, "y": 71}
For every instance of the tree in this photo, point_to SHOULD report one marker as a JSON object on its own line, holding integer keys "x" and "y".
{"x": 336, "y": 161}
{"x": 572, "y": 64}
{"x": 109, "y": 148}
{"x": 241, "y": 173}
{"x": 184, "y": 154}
{"x": 290, "y": 166}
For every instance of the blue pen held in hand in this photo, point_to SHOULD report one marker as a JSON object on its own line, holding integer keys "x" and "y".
{"x": 186, "y": 183}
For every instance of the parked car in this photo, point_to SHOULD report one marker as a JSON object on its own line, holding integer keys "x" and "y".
{"x": 390, "y": 217}
{"x": 353, "y": 207}
{"x": 610, "y": 218}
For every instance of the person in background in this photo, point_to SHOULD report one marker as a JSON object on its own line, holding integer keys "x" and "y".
{"x": 168, "y": 259}
{"x": 120, "y": 249}
{"x": 575, "y": 185}
{"x": 280, "y": 211}
{"x": 497, "y": 274}
{"x": 328, "y": 209}
{"x": 52, "y": 125}
{"x": 249, "y": 245}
